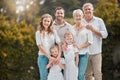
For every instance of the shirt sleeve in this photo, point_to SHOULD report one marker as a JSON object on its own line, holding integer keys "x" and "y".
{"x": 103, "y": 29}
{"x": 62, "y": 60}
{"x": 37, "y": 37}
{"x": 57, "y": 39}
{"x": 90, "y": 37}
{"x": 76, "y": 50}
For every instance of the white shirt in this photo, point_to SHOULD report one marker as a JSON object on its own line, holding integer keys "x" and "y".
{"x": 70, "y": 53}
{"x": 98, "y": 24}
{"x": 61, "y": 29}
{"x": 47, "y": 41}
{"x": 82, "y": 37}
{"x": 55, "y": 71}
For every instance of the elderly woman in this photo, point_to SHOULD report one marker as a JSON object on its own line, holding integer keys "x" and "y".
{"x": 83, "y": 39}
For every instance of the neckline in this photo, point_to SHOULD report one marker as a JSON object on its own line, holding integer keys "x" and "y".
{"x": 79, "y": 29}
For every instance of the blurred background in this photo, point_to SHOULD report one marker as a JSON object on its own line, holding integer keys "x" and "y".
{"x": 19, "y": 20}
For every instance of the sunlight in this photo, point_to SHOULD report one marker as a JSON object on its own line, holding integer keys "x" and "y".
{"x": 20, "y": 6}
{"x": 19, "y": 9}
{"x": 42, "y": 2}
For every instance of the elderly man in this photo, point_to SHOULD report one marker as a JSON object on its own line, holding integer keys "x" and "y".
{"x": 97, "y": 26}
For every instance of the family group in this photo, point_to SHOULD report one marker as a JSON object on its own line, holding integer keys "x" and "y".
{"x": 70, "y": 52}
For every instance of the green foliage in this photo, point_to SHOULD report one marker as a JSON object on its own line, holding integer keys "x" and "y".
{"x": 17, "y": 51}
{"x": 109, "y": 11}
{"x": 68, "y": 5}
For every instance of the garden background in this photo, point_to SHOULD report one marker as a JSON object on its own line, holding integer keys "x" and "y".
{"x": 19, "y": 20}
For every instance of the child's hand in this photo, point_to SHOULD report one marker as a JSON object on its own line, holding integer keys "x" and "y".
{"x": 64, "y": 46}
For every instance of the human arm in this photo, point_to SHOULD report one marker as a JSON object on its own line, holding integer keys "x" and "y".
{"x": 40, "y": 45}
{"x": 59, "y": 55}
{"x": 88, "y": 40}
{"x": 50, "y": 64}
{"x": 76, "y": 59}
{"x": 62, "y": 66}
{"x": 65, "y": 47}
{"x": 43, "y": 51}
{"x": 58, "y": 42}
{"x": 62, "y": 63}
{"x": 100, "y": 29}
{"x": 83, "y": 45}
{"x": 97, "y": 32}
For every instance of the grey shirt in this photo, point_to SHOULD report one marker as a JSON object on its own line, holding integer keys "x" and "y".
{"x": 61, "y": 29}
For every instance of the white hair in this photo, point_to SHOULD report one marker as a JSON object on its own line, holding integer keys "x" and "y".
{"x": 88, "y": 4}
{"x": 79, "y": 11}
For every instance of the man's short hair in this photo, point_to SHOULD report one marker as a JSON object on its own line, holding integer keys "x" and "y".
{"x": 58, "y": 8}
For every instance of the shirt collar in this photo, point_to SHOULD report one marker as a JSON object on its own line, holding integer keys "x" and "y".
{"x": 94, "y": 18}
{"x": 64, "y": 24}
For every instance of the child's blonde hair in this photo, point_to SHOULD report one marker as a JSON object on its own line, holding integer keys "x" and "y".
{"x": 52, "y": 47}
{"x": 67, "y": 34}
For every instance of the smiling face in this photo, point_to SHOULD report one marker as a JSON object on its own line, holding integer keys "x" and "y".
{"x": 59, "y": 14}
{"x": 46, "y": 22}
{"x": 68, "y": 38}
{"x": 88, "y": 11}
{"x": 54, "y": 51}
{"x": 77, "y": 15}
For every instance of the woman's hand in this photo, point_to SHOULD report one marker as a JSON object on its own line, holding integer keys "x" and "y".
{"x": 76, "y": 45}
{"x": 52, "y": 59}
{"x": 57, "y": 60}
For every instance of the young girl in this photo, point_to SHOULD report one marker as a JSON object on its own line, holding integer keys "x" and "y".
{"x": 55, "y": 69}
{"x": 71, "y": 57}
{"x": 45, "y": 38}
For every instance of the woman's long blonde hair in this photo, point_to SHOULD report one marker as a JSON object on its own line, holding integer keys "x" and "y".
{"x": 41, "y": 27}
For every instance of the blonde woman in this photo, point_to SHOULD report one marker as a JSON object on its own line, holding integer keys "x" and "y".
{"x": 46, "y": 36}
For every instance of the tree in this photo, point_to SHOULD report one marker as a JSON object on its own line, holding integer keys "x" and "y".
{"x": 20, "y": 10}
{"x": 17, "y": 51}
{"x": 110, "y": 12}
{"x": 68, "y": 5}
